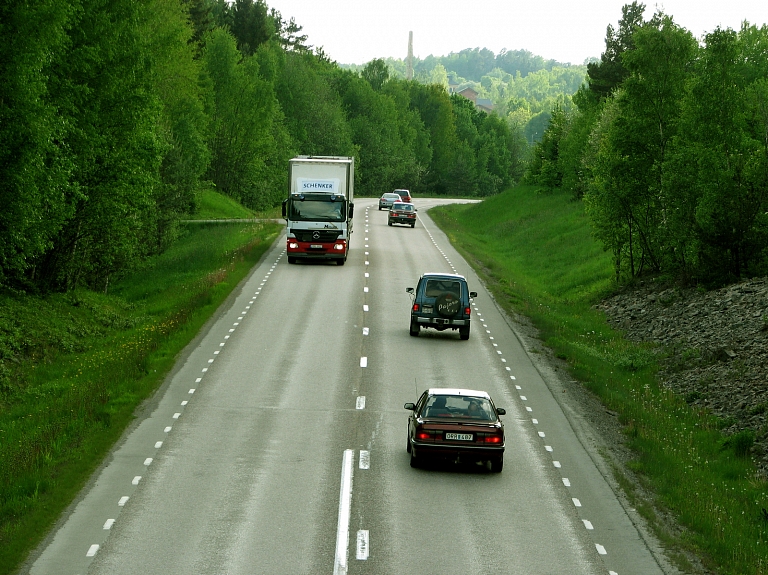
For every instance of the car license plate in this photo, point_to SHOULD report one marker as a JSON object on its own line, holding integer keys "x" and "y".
{"x": 459, "y": 436}
{"x": 320, "y": 246}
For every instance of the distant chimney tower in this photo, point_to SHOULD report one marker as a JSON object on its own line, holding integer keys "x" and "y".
{"x": 409, "y": 62}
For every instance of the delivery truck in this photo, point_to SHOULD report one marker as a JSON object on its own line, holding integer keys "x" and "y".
{"x": 319, "y": 207}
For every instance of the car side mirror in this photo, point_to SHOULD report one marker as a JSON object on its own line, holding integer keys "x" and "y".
{"x": 409, "y": 290}
{"x": 501, "y": 411}
{"x": 473, "y": 294}
{"x": 412, "y": 407}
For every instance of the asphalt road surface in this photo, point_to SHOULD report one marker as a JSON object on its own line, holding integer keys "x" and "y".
{"x": 278, "y": 444}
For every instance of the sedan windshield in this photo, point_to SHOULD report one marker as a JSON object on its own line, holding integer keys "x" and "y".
{"x": 458, "y": 407}
{"x": 317, "y": 207}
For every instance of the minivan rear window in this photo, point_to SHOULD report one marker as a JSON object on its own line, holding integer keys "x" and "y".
{"x": 436, "y": 288}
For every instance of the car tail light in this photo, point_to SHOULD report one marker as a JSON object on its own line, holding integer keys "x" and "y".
{"x": 495, "y": 439}
{"x": 415, "y": 307}
{"x": 467, "y": 311}
{"x": 427, "y": 434}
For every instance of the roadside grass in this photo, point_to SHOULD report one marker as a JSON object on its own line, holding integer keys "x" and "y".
{"x": 216, "y": 206}
{"x": 74, "y": 367}
{"x": 536, "y": 253}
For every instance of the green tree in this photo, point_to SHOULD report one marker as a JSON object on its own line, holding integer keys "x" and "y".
{"x": 719, "y": 162}
{"x": 251, "y": 25}
{"x": 35, "y": 165}
{"x": 314, "y": 114}
{"x": 646, "y": 112}
{"x": 103, "y": 90}
{"x": 434, "y": 107}
{"x": 376, "y": 73}
{"x": 243, "y": 110}
{"x": 183, "y": 123}
{"x": 609, "y": 73}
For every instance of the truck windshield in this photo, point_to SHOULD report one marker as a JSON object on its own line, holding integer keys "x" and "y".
{"x": 317, "y": 207}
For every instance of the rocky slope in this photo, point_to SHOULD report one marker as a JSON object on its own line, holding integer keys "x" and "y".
{"x": 714, "y": 347}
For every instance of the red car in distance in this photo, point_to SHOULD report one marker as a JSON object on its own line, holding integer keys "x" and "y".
{"x": 405, "y": 195}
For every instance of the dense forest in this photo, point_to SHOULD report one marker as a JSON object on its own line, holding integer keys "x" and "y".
{"x": 114, "y": 115}
{"x": 523, "y": 88}
{"x": 667, "y": 146}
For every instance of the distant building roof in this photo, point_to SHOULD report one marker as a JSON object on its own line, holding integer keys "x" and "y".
{"x": 469, "y": 94}
{"x": 484, "y": 104}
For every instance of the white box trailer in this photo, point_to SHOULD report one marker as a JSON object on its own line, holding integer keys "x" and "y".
{"x": 319, "y": 207}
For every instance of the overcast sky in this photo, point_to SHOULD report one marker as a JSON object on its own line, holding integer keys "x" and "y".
{"x": 355, "y": 32}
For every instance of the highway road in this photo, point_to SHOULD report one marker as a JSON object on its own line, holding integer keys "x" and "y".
{"x": 277, "y": 446}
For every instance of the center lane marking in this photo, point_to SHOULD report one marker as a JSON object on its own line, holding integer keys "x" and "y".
{"x": 345, "y": 502}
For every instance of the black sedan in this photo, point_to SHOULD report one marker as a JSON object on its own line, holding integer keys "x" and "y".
{"x": 459, "y": 425}
{"x": 402, "y": 213}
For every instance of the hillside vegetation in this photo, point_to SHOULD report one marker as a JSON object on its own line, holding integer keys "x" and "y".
{"x": 667, "y": 147}
{"x": 536, "y": 253}
{"x": 522, "y": 87}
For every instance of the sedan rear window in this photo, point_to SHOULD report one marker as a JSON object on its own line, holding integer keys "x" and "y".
{"x": 403, "y": 207}
{"x": 458, "y": 407}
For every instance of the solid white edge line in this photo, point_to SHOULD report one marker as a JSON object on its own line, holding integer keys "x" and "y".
{"x": 345, "y": 504}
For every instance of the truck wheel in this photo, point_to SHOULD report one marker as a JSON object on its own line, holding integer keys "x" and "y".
{"x": 415, "y": 328}
{"x": 464, "y": 332}
{"x": 341, "y": 261}
{"x": 291, "y": 260}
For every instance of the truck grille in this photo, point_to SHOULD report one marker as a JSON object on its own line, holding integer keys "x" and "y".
{"x": 316, "y": 235}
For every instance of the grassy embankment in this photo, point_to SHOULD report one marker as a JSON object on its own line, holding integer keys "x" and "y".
{"x": 75, "y": 367}
{"x": 215, "y": 206}
{"x": 536, "y": 254}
